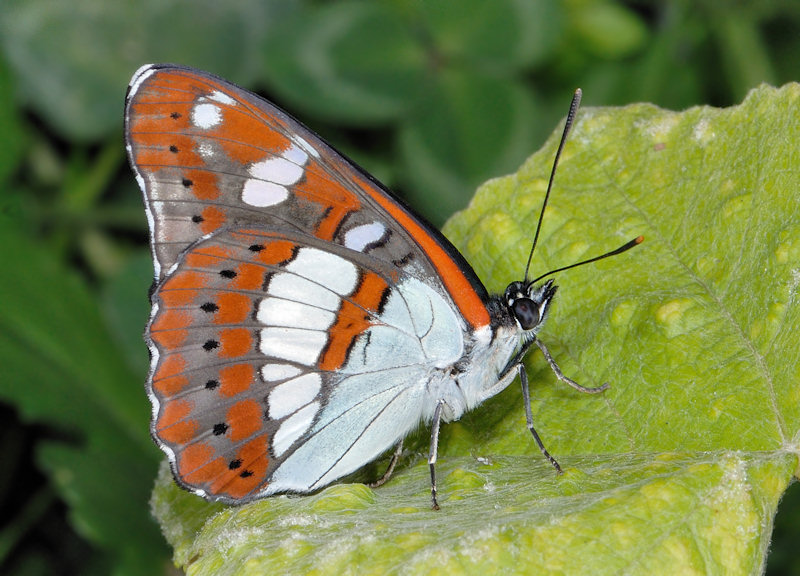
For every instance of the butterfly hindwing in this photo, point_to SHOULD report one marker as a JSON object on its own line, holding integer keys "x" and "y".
{"x": 269, "y": 347}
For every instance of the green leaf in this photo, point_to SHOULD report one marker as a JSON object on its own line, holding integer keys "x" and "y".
{"x": 124, "y": 306}
{"x": 12, "y": 135}
{"x": 679, "y": 466}
{"x": 61, "y": 368}
{"x": 470, "y": 128}
{"x": 73, "y": 59}
{"x": 500, "y": 36}
{"x": 608, "y": 29}
{"x": 354, "y": 61}
{"x": 743, "y": 48}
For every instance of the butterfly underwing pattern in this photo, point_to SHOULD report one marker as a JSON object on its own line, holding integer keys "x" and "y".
{"x": 304, "y": 320}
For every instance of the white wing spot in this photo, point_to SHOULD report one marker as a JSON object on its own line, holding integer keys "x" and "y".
{"x": 326, "y": 269}
{"x": 306, "y": 146}
{"x": 206, "y": 115}
{"x": 206, "y": 150}
{"x": 295, "y": 288}
{"x": 278, "y": 170}
{"x": 222, "y": 98}
{"x": 260, "y": 193}
{"x": 269, "y": 178}
{"x": 360, "y": 237}
{"x": 280, "y": 312}
{"x": 293, "y": 344}
{"x": 296, "y": 155}
{"x": 294, "y": 427}
{"x": 293, "y": 395}
{"x": 277, "y": 372}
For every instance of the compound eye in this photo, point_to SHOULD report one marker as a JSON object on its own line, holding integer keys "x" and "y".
{"x": 526, "y": 313}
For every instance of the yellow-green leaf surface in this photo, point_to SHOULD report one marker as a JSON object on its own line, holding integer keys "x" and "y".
{"x": 679, "y": 466}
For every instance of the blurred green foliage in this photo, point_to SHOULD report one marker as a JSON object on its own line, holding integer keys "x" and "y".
{"x": 432, "y": 97}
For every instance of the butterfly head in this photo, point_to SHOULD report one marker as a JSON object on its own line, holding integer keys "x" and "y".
{"x": 528, "y": 303}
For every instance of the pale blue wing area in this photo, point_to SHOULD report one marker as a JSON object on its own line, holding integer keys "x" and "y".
{"x": 367, "y": 428}
{"x": 381, "y": 393}
{"x": 417, "y": 327}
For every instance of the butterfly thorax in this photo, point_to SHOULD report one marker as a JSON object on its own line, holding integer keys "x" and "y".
{"x": 490, "y": 353}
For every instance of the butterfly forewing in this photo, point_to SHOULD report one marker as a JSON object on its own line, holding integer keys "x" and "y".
{"x": 298, "y": 307}
{"x": 210, "y": 155}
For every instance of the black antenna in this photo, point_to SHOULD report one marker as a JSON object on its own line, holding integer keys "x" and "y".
{"x": 573, "y": 109}
{"x": 621, "y": 249}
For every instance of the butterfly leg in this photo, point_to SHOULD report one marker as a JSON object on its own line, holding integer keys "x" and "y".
{"x": 386, "y": 475}
{"x": 560, "y": 375}
{"x": 437, "y": 418}
{"x": 526, "y": 398}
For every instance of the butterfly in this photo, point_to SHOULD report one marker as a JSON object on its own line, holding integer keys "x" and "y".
{"x": 304, "y": 320}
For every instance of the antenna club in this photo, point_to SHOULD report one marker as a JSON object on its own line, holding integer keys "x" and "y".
{"x": 624, "y": 248}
